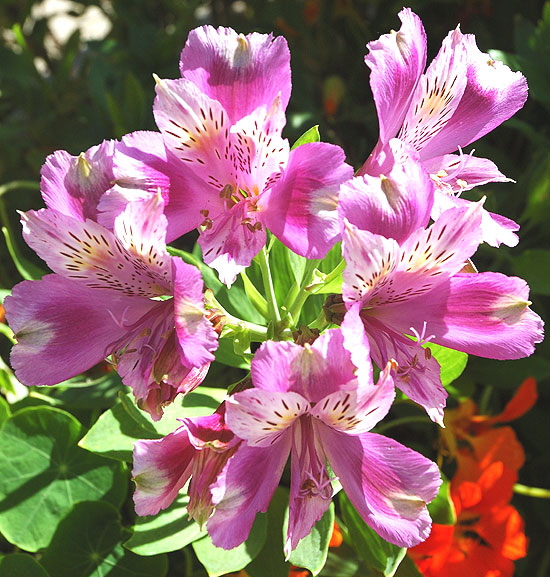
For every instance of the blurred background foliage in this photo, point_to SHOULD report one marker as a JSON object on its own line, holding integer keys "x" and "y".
{"x": 75, "y": 73}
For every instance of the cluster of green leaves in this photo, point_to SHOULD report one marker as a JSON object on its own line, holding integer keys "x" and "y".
{"x": 65, "y": 462}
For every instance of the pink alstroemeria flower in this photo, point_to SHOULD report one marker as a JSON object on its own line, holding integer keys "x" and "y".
{"x": 221, "y": 161}
{"x": 317, "y": 403}
{"x": 74, "y": 185}
{"x": 113, "y": 293}
{"x": 410, "y": 294}
{"x": 463, "y": 95}
{"x": 198, "y": 450}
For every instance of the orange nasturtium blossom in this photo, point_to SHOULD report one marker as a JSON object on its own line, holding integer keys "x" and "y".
{"x": 488, "y": 535}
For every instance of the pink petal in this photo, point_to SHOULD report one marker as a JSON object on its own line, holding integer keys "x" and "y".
{"x": 241, "y": 72}
{"x": 493, "y": 94}
{"x": 436, "y": 97}
{"x": 272, "y": 365}
{"x": 495, "y": 229}
{"x": 357, "y": 411}
{"x": 300, "y": 208}
{"x": 483, "y": 314}
{"x": 196, "y": 335}
{"x": 262, "y": 417}
{"x": 387, "y": 483}
{"x": 454, "y": 173}
{"x": 143, "y": 167}
{"x": 62, "y": 328}
{"x": 245, "y": 488}
{"x": 73, "y": 185}
{"x": 90, "y": 254}
{"x": 310, "y": 485}
{"x": 396, "y": 61}
{"x": 161, "y": 469}
{"x": 393, "y": 203}
{"x": 232, "y": 241}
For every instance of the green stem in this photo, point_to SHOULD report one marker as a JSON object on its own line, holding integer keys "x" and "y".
{"x": 303, "y": 293}
{"x": 335, "y": 272}
{"x": 402, "y": 421}
{"x": 532, "y": 491}
{"x": 269, "y": 290}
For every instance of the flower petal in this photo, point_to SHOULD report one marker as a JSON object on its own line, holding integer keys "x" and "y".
{"x": 241, "y": 72}
{"x": 73, "y": 185}
{"x": 393, "y": 203}
{"x": 262, "y": 417}
{"x": 89, "y": 254}
{"x": 62, "y": 328}
{"x": 387, "y": 483}
{"x": 300, "y": 208}
{"x": 483, "y": 314}
{"x": 244, "y": 488}
{"x": 161, "y": 469}
{"x": 357, "y": 411}
{"x": 396, "y": 61}
{"x": 196, "y": 335}
{"x": 492, "y": 95}
{"x": 436, "y": 97}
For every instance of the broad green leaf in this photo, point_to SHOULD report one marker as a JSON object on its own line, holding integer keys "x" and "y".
{"x": 20, "y": 565}
{"x": 379, "y": 555}
{"x": 311, "y": 135}
{"x": 218, "y": 561}
{"x": 45, "y": 473}
{"x": 452, "y": 362}
{"x": 87, "y": 543}
{"x": 534, "y": 266}
{"x": 311, "y": 552}
{"x": 270, "y": 561}
{"x": 441, "y": 509}
{"x": 169, "y": 530}
{"x": 114, "y": 433}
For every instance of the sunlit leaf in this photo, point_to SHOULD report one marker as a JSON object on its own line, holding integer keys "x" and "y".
{"x": 169, "y": 530}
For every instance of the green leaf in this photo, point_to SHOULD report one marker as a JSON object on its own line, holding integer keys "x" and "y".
{"x": 5, "y": 411}
{"x": 25, "y": 268}
{"x": 9, "y": 385}
{"x": 20, "y": 565}
{"x": 311, "y": 552}
{"x": 270, "y": 561}
{"x": 169, "y": 530}
{"x": 452, "y": 362}
{"x": 379, "y": 555}
{"x": 311, "y": 135}
{"x": 44, "y": 473}
{"x": 534, "y": 266}
{"x": 87, "y": 543}
{"x": 219, "y": 561}
{"x": 114, "y": 433}
{"x": 407, "y": 568}
{"x": 441, "y": 509}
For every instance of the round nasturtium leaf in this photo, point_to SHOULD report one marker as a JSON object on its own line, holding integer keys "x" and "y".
{"x": 88, "y": 543}
{"x": 45, "y": 473}
{"x": 20, "y": 565}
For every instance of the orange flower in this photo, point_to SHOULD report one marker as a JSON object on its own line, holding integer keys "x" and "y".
{"x": 488, "y": 535}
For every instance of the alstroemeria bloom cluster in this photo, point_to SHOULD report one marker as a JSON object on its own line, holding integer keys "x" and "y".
{"x": 221, "y": 166}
